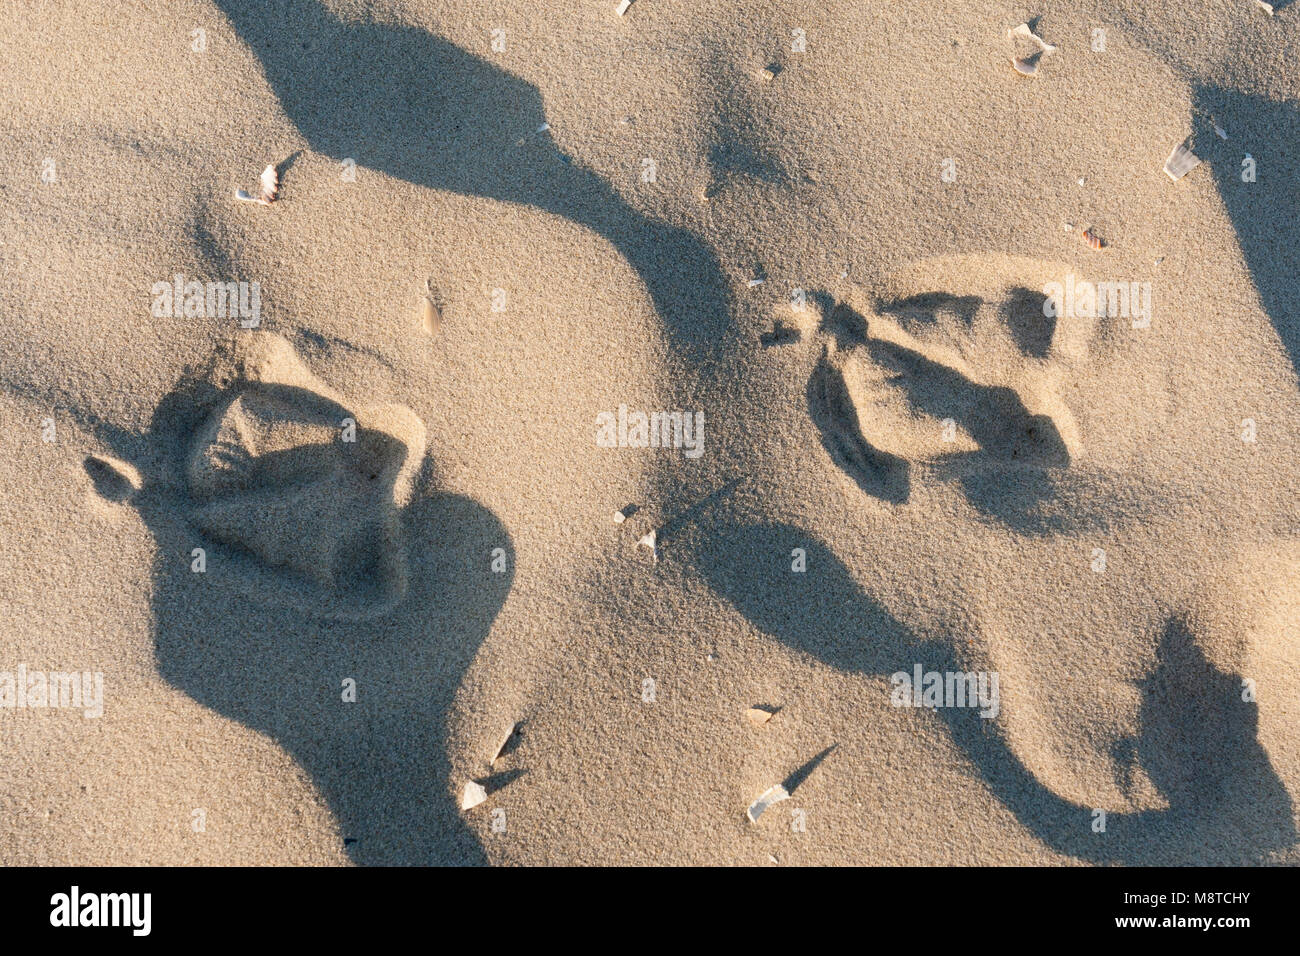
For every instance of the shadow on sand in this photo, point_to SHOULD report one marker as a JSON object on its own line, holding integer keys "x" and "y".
{"x": 1263, "y": 212}
{"x": 414, "y": 106}
{"x": 380, "y": 762}
{"x": 1197, "y": 743}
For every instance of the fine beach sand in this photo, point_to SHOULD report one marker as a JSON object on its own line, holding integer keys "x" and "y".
{"x": 904, "y": 461}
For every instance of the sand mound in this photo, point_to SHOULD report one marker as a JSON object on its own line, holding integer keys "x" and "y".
{"x": 296, "y": 479}
{"x": 962, "y": 381}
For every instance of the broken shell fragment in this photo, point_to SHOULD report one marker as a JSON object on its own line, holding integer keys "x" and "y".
{"x": 770, "y": 796}
{"x": 1181, "y": 162}
{"x": 270, "y": 181}
{"x": 505, "y": 742}
{"x": 1093, "y": 240}
{"x": 648, "y": 540}
{"x": 1266, "y": 7}
{"x": 473, "y": 796}
{"x": 758, "y": 716}
{"x": 430, "y": 315}
{"x": 622, "y": 7}
{"x": 1024, "y": 31}
{"x": 1026, "y": 65}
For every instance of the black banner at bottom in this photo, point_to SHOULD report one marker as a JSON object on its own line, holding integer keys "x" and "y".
{"x": 300, "y": 905}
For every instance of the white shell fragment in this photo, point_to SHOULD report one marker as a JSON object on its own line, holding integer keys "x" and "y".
{"x": 270, "y": 181}
{"x": 770, "y": 796}
{"x": 1024, "y": 31}
{"x": 474, "y": 795}
{"x": 754, "y": 283}
{"x": 430, "y": 316}
{"x": 619, "y": 517}
{"x": 767, "y": 75}
{"x": 648, "y": 540}
{"x": 622, "y": 7}
{"x": 1025, "y": 65}
{"x": 1220, "y": 131}
{"x": 758, "y": 716}
{"x": 1266, "y": 7}
{"x": 430, "y": 313}
{"x": 496, "y": 754}
{"x": 1181, "y": 162}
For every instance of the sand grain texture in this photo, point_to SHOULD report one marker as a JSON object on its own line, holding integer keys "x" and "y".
{"x": 456, "y": 564}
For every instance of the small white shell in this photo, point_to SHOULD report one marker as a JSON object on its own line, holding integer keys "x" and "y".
{"x": 270, "y": 181}
{"x": 758, "y": 716}
{"x": 473, "y": 796}
{"x": 1025, "y": 65}
{"x": 1181, "y": 162}
{"x": 649, "y": 540}
{"x": 622, "y": 7}
{"x": 770, "y": 796}
{"x": 1024, "y": 31}
{"x": 430, "y": 315}
{"x": 514, "y": 729}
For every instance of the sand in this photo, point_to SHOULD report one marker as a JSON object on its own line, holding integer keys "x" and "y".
{"x": 404, "y": 527}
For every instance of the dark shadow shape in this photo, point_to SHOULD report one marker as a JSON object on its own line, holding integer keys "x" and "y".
{"x": 692, "y": 511}
{"x": 1028, "y": 500}
{"x": 841, "y": 321}
{"x": 287, "y": 165}
{"x": 875, "y": 471}
{"x": 499, "y": 781}
{"x": 994, "y": 416}
{"x": 731, "y": 157}
{"x": 1193, "y": 721}
{"x": 380, "y": 763}
{"x": 781, "y": 334}
{"x": 921, "y": 308}
{"x": 1264, "y": 212}
{"x": 802, "y": 773}
{"x": 1022, "y": 461}
{"x": 109, "y": 482}
{"x": 412, "y": 105}
{"x": 1032, "y": 329}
